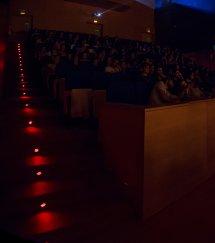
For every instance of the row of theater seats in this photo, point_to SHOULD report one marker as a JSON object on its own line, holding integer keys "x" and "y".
{"x": 125, "y": 88}
{"x": 83, "y": 95}
{"x": 77, "y": 95}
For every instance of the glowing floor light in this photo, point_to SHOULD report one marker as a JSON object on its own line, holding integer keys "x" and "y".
{"x": 43, "y": 205}
{"x": 30, "y": 123}
{"x": 24, "y": 93}
{"x": 39, "y": 173}
{"x": 36, "y": 150}
{"x": 26, "y": 105}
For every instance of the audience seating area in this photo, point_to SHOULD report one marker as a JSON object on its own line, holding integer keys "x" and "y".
{"x": 82, "y": 71}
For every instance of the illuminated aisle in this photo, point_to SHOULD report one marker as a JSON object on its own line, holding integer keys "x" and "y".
{"x": 55, "y": 188}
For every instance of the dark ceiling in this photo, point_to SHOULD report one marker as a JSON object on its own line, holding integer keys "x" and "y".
{"x": 104, "y": 4}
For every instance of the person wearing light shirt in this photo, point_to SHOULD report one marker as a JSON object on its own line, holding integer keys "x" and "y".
{"x": 161, "y": 95}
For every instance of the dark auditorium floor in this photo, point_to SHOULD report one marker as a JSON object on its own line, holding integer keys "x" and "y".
{"x": 84, "y": 203}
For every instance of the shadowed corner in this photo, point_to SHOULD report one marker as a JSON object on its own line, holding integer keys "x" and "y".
{"x": 8, "y": 237}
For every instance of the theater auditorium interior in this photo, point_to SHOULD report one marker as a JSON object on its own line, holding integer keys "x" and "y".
{"x": 107, "y": 121}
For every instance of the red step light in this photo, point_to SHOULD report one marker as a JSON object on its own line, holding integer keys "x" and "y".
{"x": 30, "y": 122}
{"x": 36, "y": 150}
{"x": 39, "y": 173}
{"x": 43, "y": 205}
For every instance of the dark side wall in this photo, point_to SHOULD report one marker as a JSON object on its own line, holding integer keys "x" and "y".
{"x": 4, "y": 26}
{"x": 184, "y": 27}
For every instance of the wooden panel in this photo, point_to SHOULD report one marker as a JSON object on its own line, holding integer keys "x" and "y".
{"x": 99, "y": 99}
{"x": 211, "y": 136}
{"x": 122, "y": 136}
{"x": 175, "y": 153}
{"x": 161, "y": 153}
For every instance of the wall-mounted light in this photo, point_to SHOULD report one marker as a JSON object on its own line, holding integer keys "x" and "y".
{"x": 22, "y": 12}
{"x": 95, "y": 21}
{"x": 148, "y": 30}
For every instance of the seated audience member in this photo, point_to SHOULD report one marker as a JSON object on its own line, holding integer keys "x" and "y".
{"x": 161, "y": 95}
{"x": 145, "y": 73}
{"x": 63, "y": 67}
{"x": 160, "y": 74}
{"x": 184, "y": 91}
{"x": 125, "y": 66}
{"x": 129, "y": 60}
{"x": 112, "y": 66}
{"x": 195, "y": 91}
{"x": 178, "y": 79}
{"x": 144, "y": 84}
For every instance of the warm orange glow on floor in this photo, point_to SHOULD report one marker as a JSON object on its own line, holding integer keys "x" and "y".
{"x": 38, "y": 160}
{"x": 46, "y": 221}
{"x": 40, "y": 188}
